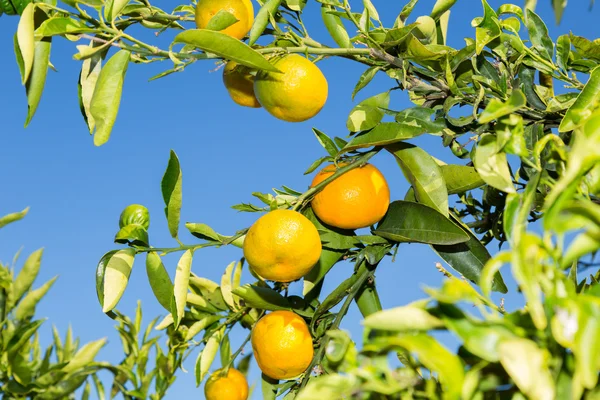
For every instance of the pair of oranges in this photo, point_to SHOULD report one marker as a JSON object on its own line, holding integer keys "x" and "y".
{"x": 283, "y": 246}
{"x": 295, "y": 94}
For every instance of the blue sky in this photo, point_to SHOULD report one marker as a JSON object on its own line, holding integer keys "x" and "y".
{"x": 76, "y": 191}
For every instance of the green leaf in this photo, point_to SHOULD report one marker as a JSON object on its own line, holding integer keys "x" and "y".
{"x": 269, "y": 387}
{"x": 329, "y": 386}
{"x": 496, "y": 108}
{"x": 200, "y": 325}
{"x": 368, "y": 113}
{"x": 491, "y": 165}
{"x": 105, "y": 102}
{"x": 207, "y": 355}
{"x": 487, "y": 29}
{"x": 418, "y": 223}
{"x": 221, "y": 20}
{"x": 424, "y": 175}
{"x": 113, "y": 8}
{"x": 586, "y": 48}
{"x": 435, "y": 357}
{"x": 383, "y": 134}
{"x": 13, "y": 217}
{"x": 460, "y": 178}
{"x": 226, "y": 47}
{"x": 90, "y": 71}
{"x": 262, "y": 298}
{"x": 26, "y": 307}
{"x": 326, "y": 142}
{"x": 62, "y": 26}
{"x": 180, "y": 289}
{"x": 171, "y": 191}
{"x": 336, "y": 28}
{"x": 469, "y": 259}
{"x": 563, "y": 49}
{"x": 159, "y": 279}
{"x": 586, "y": 340}
{"x": 365, "y": 79}
{"x": 331, "y": 238}
{"x": 116, "y": 277}
{"x": 400, "y": 319}
{"x": 132, "y": 233}
{"x": 227, "y": 286}
{"x": 528, "y": 366}
{"x": 27, "y": 275}
{"x": 37, "y": 78}
{"x": 225, "y": 351}
{"x": 479, "y": 337}
{"x": 262, "y": 19}
{"x": 84, "y": 356}
{"x": 440, "y": 7}
{"x": 420, "y": 117}
{"x": 538, "y": 35}
{"x": 25, "y": 40}
{"x": 327, "y": 260}
{"x": 585, "y": 104}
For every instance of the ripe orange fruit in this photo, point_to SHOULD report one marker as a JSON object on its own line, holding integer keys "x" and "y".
{"x": 282, "y": 345}
{"x": 240, "y": 9}
{"x": 296, "y": 94}
{"x": 356, "y": 199}
{"x": 282, "y": 246}
{"x": 231, "y": 387}
{"x": 240, "y": 84}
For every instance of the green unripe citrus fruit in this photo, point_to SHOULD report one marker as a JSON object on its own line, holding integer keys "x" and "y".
{"x": 135, "y": 214}
{"x": 426, "y": 29}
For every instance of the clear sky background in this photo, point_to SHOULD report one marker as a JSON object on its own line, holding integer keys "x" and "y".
{"x": 76, "y": 191}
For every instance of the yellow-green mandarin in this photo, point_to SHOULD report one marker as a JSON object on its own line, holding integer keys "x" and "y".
{"x": 296, "y": 94}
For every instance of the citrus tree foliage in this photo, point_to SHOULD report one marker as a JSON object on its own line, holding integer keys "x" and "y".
{"x": 28, "y": 371}
{"x": 525, "y": 152}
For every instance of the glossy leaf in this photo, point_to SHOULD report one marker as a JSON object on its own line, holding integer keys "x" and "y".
{"x": 37, "y": 78}
{"x": 424, "y": 175}
{"x": 487, "y": 29}
{"x": 584, "y": 106}
{"x": 207, "y": 356}
{"x": 180, "y": 288}
{"x": 262, "y": 298}
{"x": 383, "y": 134}
{"x": 62, "y": 26}
{"x": 90, "y": 71}
{"x": 262, "y": 19}
{"x": 25, "y": 40}
{"x": 417, "y": 223}
{"x": 105, "y": 102}
{"x": 171, "y": 191}
{"x": 405, "y": 318}
{"x": 226, "y": 47}
{"x": 368, "y": 113}
{"x": 221, "y": 20}
{"x": 159, "y": 280}
{"x": 13, "y": 217}
{"x": 336, "y": 29}
{"x": 528, "y": 366}
{"x": 326, "y": 142}
{"x": 496, "y": 108}
{"x": 469, "y": 259}
{"x": 116, "y": 277}
{"x": 26, "y": 307}
{"x": 27, "y": 275}
{"x": 491, "y": 165}
{"x": 538, "y": 35}
{"x": 461, "y": 178}
{"x": 327, "y": 260}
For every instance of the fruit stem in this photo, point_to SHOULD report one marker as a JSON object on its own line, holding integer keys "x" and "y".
{"x": 340, "y": 171}
{"x": 237, "y": 353}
